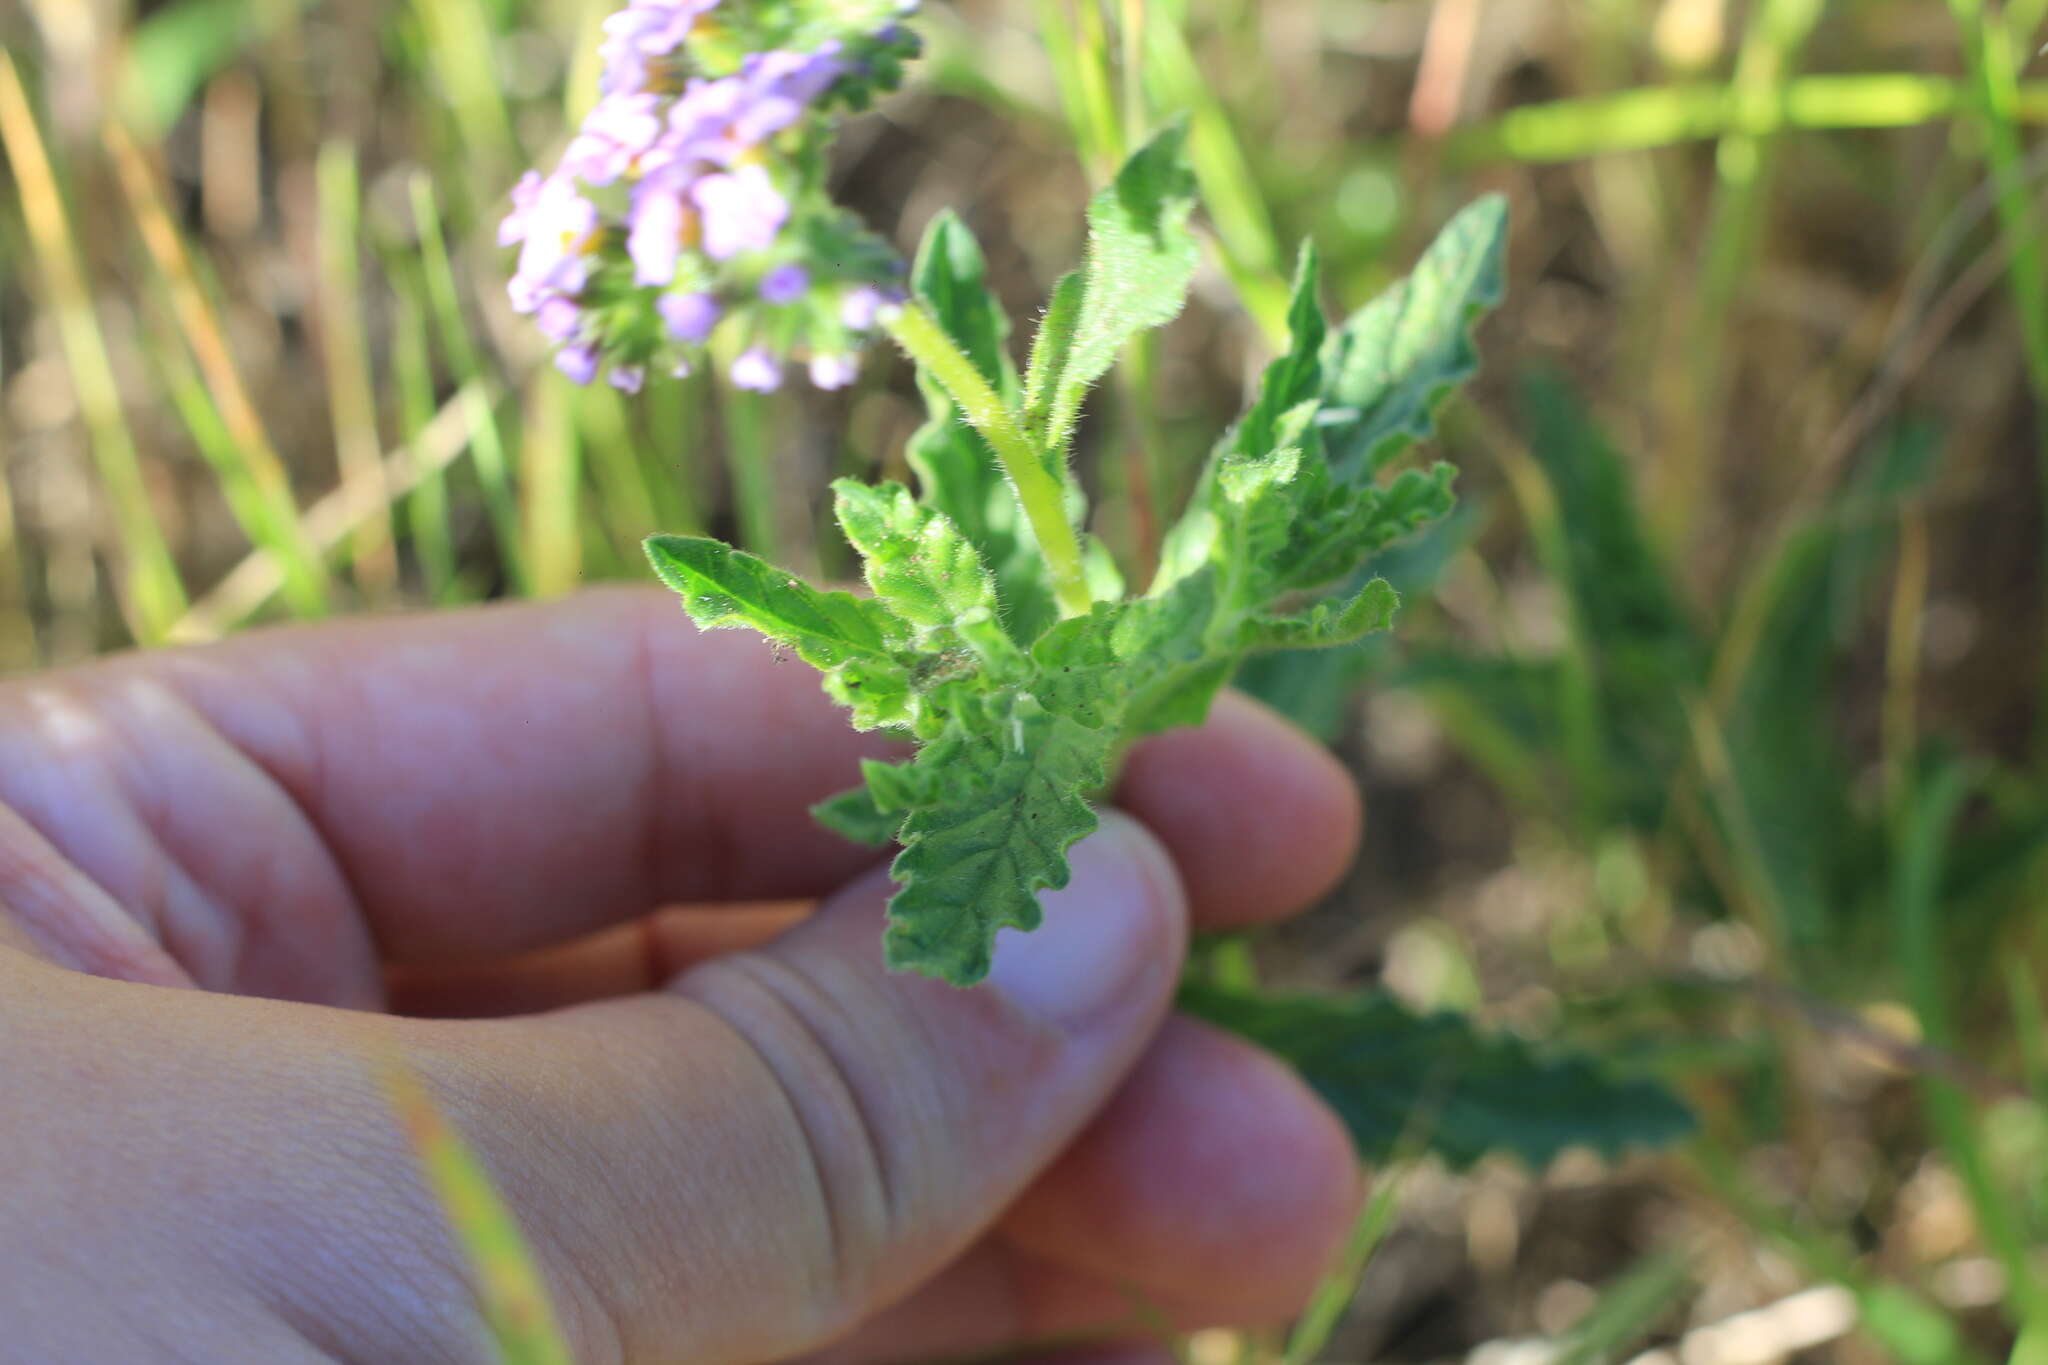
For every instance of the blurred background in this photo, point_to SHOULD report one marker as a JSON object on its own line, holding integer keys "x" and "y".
{"x": 1709, "y": 738}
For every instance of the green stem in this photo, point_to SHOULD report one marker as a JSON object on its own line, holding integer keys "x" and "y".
{"x": 1038, "y": 491}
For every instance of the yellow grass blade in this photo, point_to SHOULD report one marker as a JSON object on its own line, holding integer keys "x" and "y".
{"x": 351, "y": 394}
{"x": 510, "y": 1290}
{"x": 306, "y": 576}
{"x": 152, "y": 594}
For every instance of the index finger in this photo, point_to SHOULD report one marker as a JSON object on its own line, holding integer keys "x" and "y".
{"x": 501, "y": 779}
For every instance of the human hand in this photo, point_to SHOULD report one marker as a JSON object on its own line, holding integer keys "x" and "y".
{"x": 234, "y": 881}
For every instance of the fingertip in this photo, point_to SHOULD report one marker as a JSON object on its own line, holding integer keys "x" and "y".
{"x": 1215, "y": 1169}
{"x": 1262, "y": 820}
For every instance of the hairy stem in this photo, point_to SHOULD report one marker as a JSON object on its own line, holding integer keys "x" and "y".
{"x": 1038, "y": 491}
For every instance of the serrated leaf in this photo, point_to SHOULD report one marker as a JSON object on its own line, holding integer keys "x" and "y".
{"x": 1390, "y": 365}
{"x": 1141, "y": 260}
{"x": 1295, "y": 378}
{"x": 852, "y": 640}
{"x": 1338, "y": 527}
{"x": 1314, "y": 688}
{"x": 1327, "y": 623}
{"x": 854, "y": 815}
{"x": 1050, "y": 349}
{"x": 924, "y": 571}
{"x": 1007, "y": 785}
{"x": 1386, "y": 1070}
{"x": 1099, "y": 668}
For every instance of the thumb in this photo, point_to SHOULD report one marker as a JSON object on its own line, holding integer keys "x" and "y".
{"x": 786, "y": 1140}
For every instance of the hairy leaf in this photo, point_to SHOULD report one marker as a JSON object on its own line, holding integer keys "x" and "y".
{"x": 1389, "y": 366}
{"x": 1296, "y": 377}
{"x": 1049, "y": 352}
{"x": 957, "y": 473}
{"x": 855, "y": 816}
{"x": 951, "y": 276}
{"x": 1123, "y": 656}
{"x": 1328, "y": 623}
{"x": 1388, "y": 1072}
{"x": 1141, "y": 260}
{"x": 924, "y": 571}
{"x": 1007, "y": 788}
{"x": 855, "y": 642}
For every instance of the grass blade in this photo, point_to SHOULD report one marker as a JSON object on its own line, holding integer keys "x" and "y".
{"x": 333, "y": 518}
{"x": 351, "y": 399}
{"x": 1326, "y": 1310}
{"x": 493, "y": 465}
{"x": 152, "y": 595}
{"x": 306, "y": 579}
{"x": 426, "y": 508}
{"x": 1924, "y": 826}
{"x": 549, "y": 489}
{"x": 511, "y": 1293}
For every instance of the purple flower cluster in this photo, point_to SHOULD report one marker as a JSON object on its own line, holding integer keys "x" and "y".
{"x": 703, "y": 187}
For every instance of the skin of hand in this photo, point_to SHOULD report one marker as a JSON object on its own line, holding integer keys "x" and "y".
{"x": 236, "y": 881}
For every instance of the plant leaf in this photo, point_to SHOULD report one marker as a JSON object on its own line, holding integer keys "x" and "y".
{"x": 1141, "y": 260}
{"x": 1006, "y": 789}
{"x": 1296, "y": 377}
{"x": 853, "y": 641}
{"x": 1327, "y": 623}
{"x": 925, "y": 572}
{"x": 1049, "y": 352}
{"x": 1388, "y": 367}
{"x": 957, "y": 473}
{"x": 951, "y": 276}
{"x": 1385, "y": 1069}
{"x": 1118, "y": 664}
{"x": 854, "y": 815}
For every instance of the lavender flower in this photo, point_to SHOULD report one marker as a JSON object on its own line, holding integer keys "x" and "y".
{"x": 579, "y": 362}
{"x": 758, "y": 371}
{"x": 692, "y": 193}
{"x": 860, "y": 307}
{"x": 555, "y": 224}
{"x": 834, "y": 371}
{"x": 742, "y": 211}
{"x": 655, "y": 224}
{"x": 622, "y": 128}
{"x": 690, "y": 317}
{"x": 559, "y": 319}
{"x": 645, "y": 31}
{"x": 785, "y": 284}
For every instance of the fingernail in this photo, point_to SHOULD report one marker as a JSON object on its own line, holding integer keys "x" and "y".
{"x": 1120, "y": 918}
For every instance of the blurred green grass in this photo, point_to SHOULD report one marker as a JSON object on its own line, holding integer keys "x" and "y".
{"x": 1735, "y": 668}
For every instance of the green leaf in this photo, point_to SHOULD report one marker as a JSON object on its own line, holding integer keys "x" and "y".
{"x": 925, "y": 572}
{"x": 855, "y": 816}
{"x": 1314, "y": 688}
{"x": 1386, "y": 1070}
{"x": 951, "y": 276}
{"x": 957, "y": 473}
{"x": 852, "y": 640}
{"x": 1007, "y": 783}
{"x": 1050, "y": 350}
{"x": 1296, "y": 377}
{"x": 1389, "y": 366}
{"x": 1141, "y": 260}
{"x": 1337, "y": 526}
{"x": 1328, "y": 623}
{"x": 1118, "y": 665}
